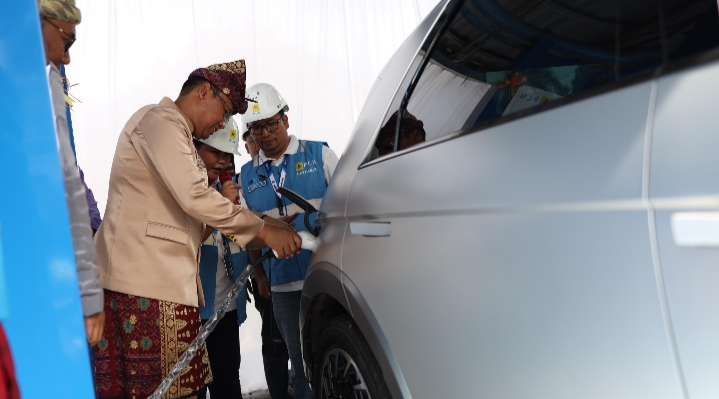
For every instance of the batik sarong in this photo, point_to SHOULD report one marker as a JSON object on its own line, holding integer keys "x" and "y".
{"x": 142, "y": 341}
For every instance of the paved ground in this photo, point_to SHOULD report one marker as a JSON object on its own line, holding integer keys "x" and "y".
{"x": 257, "y": 395}
{"x": 262, "y": 395}
{"x": 252, "y": 395}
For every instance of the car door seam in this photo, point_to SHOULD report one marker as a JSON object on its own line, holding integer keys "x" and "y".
{"x": 654, "y": 243}
{"x": 342, "y": 273}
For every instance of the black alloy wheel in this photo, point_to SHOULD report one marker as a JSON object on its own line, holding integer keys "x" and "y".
{"x": 348, "y": 369}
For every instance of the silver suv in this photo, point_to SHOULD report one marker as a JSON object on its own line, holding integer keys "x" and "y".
{"x": 528, "y": 207}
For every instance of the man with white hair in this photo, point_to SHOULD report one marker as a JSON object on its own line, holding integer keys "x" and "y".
{"x": 58, "y": 19}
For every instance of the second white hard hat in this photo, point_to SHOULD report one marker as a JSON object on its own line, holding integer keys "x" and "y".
{"x": 268, "y": 102}
{"x": 226, "y": 139}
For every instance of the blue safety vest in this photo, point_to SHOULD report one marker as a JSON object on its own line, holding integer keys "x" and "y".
{"x": 208, "y": 273}
{"x": 305, "y": 176}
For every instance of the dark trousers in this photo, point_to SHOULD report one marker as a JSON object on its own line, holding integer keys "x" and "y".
{"x": 287, "y": 315}
{"x": 223, "y": 349}
{"x": 274, "y": 350}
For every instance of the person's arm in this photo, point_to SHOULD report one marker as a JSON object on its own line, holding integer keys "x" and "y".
{"x": 270, "y": 223}
{"x": 161, "y": 142}
{"x": 263, "y": 286}
{"x": 228, "y": 191}
{"x": 95, "y": 218}
{"x": 94, "y": 326}
{"x": 91, "y": 291}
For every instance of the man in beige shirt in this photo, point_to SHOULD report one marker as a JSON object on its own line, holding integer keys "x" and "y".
{"x": 159, "y": 204}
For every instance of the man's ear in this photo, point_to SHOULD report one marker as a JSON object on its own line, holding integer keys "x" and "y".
{"x": 286, "y": 121}
{"x": 204, "y": 90}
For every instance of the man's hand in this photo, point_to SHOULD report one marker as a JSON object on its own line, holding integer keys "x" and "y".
{"x": 230, "y": 190}
{"x": 284, "y": 241}
{"x": 288, "y": 219}
{"x": 94, "y": 326}
{"x": 281, "y": 222}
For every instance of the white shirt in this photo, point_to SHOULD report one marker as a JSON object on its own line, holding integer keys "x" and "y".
{"x": 329, "y": 158}
{"x": 223, "y": 283}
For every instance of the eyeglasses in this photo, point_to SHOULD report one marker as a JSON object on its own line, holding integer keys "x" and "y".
{"x": 227, "y": 114}
{"x": 269, "y": 126}
{"x": 71, "y": 37}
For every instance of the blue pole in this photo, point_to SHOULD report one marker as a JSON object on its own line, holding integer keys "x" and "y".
{"x": 45, "y": 326}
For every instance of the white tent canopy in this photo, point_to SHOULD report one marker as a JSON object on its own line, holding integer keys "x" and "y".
{"x": 322, "y": 55}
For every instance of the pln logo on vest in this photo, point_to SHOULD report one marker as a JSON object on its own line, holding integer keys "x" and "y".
{"x": 303, "y": 168}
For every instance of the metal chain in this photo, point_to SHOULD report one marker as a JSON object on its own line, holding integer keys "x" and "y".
{"x": 205, "y": 331}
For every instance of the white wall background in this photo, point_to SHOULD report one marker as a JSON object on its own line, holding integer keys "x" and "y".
{"x": 322, "y": 55}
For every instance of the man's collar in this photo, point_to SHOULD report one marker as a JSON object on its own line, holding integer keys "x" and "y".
{"x": 167, "y": 102}
{"x": 291, "y": 149}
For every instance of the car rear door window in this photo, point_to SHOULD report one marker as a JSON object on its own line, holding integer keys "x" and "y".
{"x": 496, "y": 60}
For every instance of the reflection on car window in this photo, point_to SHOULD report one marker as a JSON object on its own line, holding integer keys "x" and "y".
{"x": 501, "y": 57}
{"x": 411, "y": 133}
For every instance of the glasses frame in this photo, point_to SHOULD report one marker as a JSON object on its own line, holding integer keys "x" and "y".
{"x": 226, "y": 114}
{"x": 265, "y": 127}
{"x": 72, "y": 37}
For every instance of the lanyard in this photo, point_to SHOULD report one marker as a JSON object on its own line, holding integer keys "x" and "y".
{"x": 271, "y": 176}
{"x": 224, "y": 243}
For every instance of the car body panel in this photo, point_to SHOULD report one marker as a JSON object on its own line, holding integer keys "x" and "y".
{"x": 525, "y": 268}
{"x": 526, "y": 257}
{"x": 684, "y": 179}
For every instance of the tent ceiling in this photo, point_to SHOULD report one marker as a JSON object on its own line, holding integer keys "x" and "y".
{"x": 491, "y": 34}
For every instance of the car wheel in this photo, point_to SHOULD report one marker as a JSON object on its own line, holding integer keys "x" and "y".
{"x": 346, "y": 367}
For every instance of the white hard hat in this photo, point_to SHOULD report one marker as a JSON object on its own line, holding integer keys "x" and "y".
{"x": 268, "y": 102}
{"x": 225, "y": 139}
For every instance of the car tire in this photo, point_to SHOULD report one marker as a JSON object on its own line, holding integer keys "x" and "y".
{"x": 346, "y": 366}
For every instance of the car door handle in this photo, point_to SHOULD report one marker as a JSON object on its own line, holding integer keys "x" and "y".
{"x": 695, "y": 229}
{"x": 371, "y": 229}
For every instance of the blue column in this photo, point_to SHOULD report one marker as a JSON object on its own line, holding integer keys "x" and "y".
{"x": 45, "y": 325}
